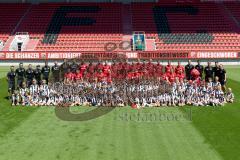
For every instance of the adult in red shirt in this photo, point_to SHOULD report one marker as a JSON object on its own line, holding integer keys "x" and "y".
{"x": 106, "y": 69}
{"x": 179, "y": 69}
{"x": 143, "y": 66}
{"x": 139, "y": 66}
{"x": 133, "y": 66}
{"x": 171, "y": 76}
{"x": 126, "y": 67}
{"x": 119, "y": 66}
{"x": 150, "y": 68}
{"x": 83, "y": 67}
{"x": 158, "y": 69}
{"x": 114, "y": 67}
{"x": 168, "y": 68}
{"x": 91, "y": 68}
{"x": 149, "y": 65}
{"x": 78, "y": 76}
{"x": 120, "y": 75}
{"x": 181, "y": 76}
{"x": 114, "y": 70}
{"x": 99, "y": 66}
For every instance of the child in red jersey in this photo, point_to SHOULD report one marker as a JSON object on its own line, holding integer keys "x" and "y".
{"x": 100, "y": 76}
{"x": 69, "y": 76}
{"x": 131, "y": 75}
{"x": 195, "y": 74}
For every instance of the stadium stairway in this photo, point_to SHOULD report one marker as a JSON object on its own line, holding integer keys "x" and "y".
{"x": 127, "y": 19}
{"x": 8, "y": 43}
{"x": 21, "y": 19}
{"x": 10, "y": 14}
{"x": 233, "y": 8}
{"x": 127, "y": 24}
{"x": 32, "y": 44}
{"x": 227, "y": 13}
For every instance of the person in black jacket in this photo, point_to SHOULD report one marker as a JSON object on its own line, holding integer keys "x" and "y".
{"x": 46, "y": 72}
{"x": 38, "y": 74}
{"x": 222, "y": 77}
{"x": 208, "y": 72}
{"x": 20, "y": 73}
{"x": 29, "y": 75}
{"x": 74, "y": 66}
{"x": 216, "y": 70}
{"x": 56, "y": 72}
{"x": 64, "y": 68}
{"x": 188, "y": 69}
{"x": 11, "y": 76}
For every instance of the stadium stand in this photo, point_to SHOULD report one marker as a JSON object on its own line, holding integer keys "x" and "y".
{"x": 55, "y": 25}
{"x": 10, "y": 14}
{"x": 181, "y": 26}
{"x": 184, "y": 26}
{"x": 234, "y": 9}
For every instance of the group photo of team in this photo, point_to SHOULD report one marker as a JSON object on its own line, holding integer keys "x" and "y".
{"x": 119, "y": 79}
{"x": 136, "y": 84}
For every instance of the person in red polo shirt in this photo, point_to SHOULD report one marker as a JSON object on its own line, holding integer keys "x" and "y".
{"x": 69, "y": 76}
{"x": 179, "y": 71}
{"x": 99, "y": 66}
{"x": 78, "y": 76}
{"x": 114, "y": 70}
{"x": 181, "y": 76}
{"x": 150, "y": 68}
{"x": 106, "y": 69}
{"x": 168, "y": 67}
{"x": 179, "y": 68}
{"x": 91, "y": 68}
{"x": 139, "y": 65}
{"x": 83, "y": 67}
{"x": 119, "y": 66}
{"x": 170, "y": 76}
{"x": 158, "y": 69}
{"x": 126, "y": 67}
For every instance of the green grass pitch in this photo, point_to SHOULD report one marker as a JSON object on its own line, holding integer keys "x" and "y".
{"x": 36, "y": 133}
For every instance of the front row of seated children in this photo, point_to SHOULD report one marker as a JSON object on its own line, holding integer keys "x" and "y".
{"x": 109, "y": 94}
